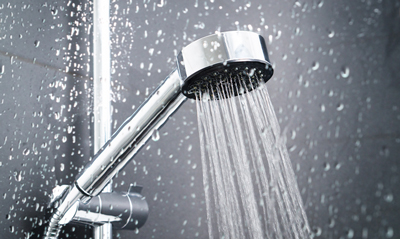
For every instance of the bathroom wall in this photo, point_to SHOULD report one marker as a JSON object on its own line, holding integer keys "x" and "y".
{"x": 336, "y": 92}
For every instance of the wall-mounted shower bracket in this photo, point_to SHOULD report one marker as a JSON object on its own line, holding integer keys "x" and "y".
{"x": 125, "y": 210}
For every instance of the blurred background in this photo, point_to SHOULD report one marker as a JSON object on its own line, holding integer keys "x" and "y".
{"x": 336, "y": 93}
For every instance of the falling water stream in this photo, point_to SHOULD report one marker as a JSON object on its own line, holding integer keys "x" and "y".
{"x": 250, "y": 186}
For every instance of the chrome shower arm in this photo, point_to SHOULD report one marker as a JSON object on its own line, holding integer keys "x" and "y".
{"x": 117, "y": 152}
{"x": 131, "y": 136}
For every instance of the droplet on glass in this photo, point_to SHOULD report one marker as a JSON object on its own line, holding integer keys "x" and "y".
{"x": 389, "y": 197}
{"x": 315, "y": 65}
{"x": 317, "y": 231}
{"x": 327, "y": 166}
{"x": 26, "y": 151}
{"x": 340, "y": 107}
{"x": 18, "y": 176}
{"x": 322, "y": 108}
{"x": 345, "y": 72}
{"x": 331, "y": 33}
{"x": 156, "y": 135}
{"x": 350, "y": 233}
{"x": 389, "y": 232}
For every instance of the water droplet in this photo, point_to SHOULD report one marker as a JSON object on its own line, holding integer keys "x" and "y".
{"x": 156, "y": 135}
{"x": 322, "y": 108}
{"x": 155, "y": 197}
{"x": 331, "y": 223}
{"x": 389, "y": 197}
{"x": 317, "y": 231}
{"x": 161, "y": 4}
{"x": 151, "y": 51}
{"x": 200, "y": 25}
{"x": 331, "y": 33}
{"x": 340, "y": 107}
{"x": 345, "y": 72}
{"x": 2, "y": 70}
{"x": 251, "y": 73}
{"x": 315, "y": 65}
{"x": 69, "y": 129}
{"x": 62, "y": 167}
{"x": 389, "y": 232}
{"x": 350, "y": 233}
{"x": 159, "y": 178}
{"x": 54, "y": 11}
{"x": 18, "y": 176}
{"x": 37, "y": 43}
{"x": 327, "y": 166}
{"x": 26, "y": 151}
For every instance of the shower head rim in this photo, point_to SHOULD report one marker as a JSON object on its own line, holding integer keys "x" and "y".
{"x": 219, "y": 52}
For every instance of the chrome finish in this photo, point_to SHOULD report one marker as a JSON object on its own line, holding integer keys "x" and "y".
{"x": 220, "y": 47}
{"x": 215, "y": 57}
{"x": 101, "y": 89}
{"x": 101, "y": 74}
{"x": 103, "y": 231}
{"x": 92, "y": 218}
{"x": 131, "y": 136}
{"x": 58, "y": 192}
{"x": 62, "y": 213}
{"x": 124, "y": 210}
{"x": 117, "y": 152}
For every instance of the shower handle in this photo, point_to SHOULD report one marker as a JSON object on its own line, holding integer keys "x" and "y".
{"x": 131, "y": 136}
{"x": 117, "y": 152}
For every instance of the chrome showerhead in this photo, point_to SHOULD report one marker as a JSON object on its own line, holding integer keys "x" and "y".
{"x": 224, "y": 64}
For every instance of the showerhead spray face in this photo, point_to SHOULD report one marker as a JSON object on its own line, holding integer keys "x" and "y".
{"x": 224, "y": 65}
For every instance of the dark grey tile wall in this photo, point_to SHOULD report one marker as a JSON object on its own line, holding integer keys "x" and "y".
{"x": 336, "y": 92}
